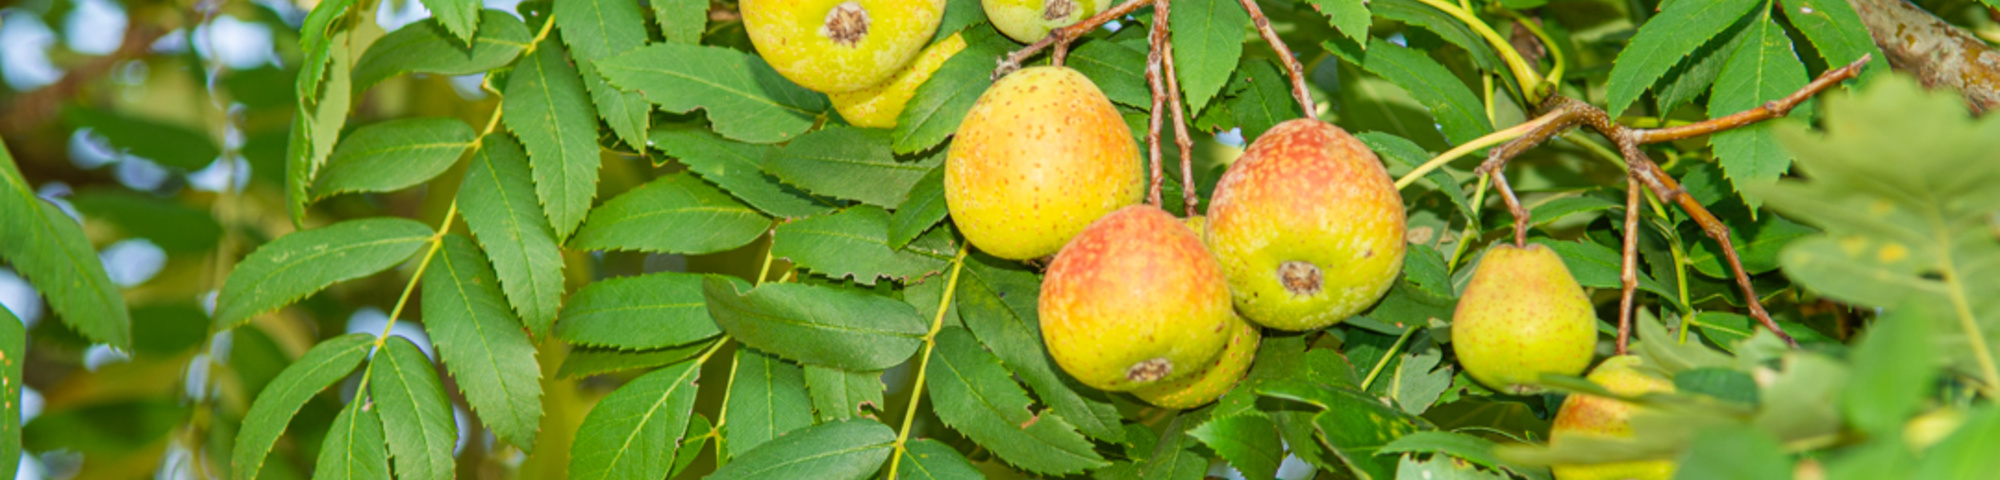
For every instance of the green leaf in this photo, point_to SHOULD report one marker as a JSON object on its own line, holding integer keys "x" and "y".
{"x": 1664, "y": 41}
{"x": 1118, "y": 70}
{"x": 958, "y": 14}
{"x": 1402, "y": 155}
{"x": 973, "y": 394}
{"x": 1459, "y": 114}
{"x": 416, "y": 414}
{"x": 642, "y": 312}
{"x": 735, "y": 167}
{"x": 1757, "y": 244}
{"x": 815, "y": 325}
{"x": 497, "y": 199}
{"x": 546, "y": 106}
{"x": 1967, "y": 453}
{"x": 744, "y": 97}
{"x": 1173, "y": 457}
{"x": 1836, "y": 32}
{"x": 1719, "y": 382}
{"x": 1598, "y": 266}
{"x": 839, "y": 394}
{"x": 482, "y": 343}
{"x": 324, "y": 364}
{"x": 848, "y": 450}
{"x": 353, "y": 446}
{"x": 1894, "y": 365}
{"x": 634, "y": 431}
{"x": 1356, "y": 425}
{"x": 924, "y": 208}
{"x": 460, "y": 16}
{"x": 1763, "y": 68}
{"x": 1419, "y": 381}
{"x": 1249, "y": 442}
{"x": 49, "y": 248}
{"x": 692, "y": 442}
{"x": 1440, "y": 468}
{"x": 927, "y": 459}
{"x": 599, "y": 29}
{"x": 319, "y": 46}
{"x": 317, "y": 122}
{"x": 1470, "y": 448}
{"x": 1350, "y": 17}
{"x": 427, "y": 47}
{"x": 1208, "y": 38}
{"x": 1266, "y": 99}
{"x": 304, "y": 262}
{"x": 1734, "y": 452}
{"x": 167, "y": 144}
{"x": 13, "y": 355}
{"x": 676, "y": 214}
{"x": 1693, "y": 76}
{"x": 1415, "y": 13}
{"x": 854, "y": 244}
{"x": 393, "y": 155}
{"x": 935, "y": 110}
{"x": 175, "y": 227}
{"x": 681, "y": 21}
{"x": 850, "y": 163}
{"x": 767, "y": 399}
{"x": 1013, "y": 332}
{"x": 586, "y": 361}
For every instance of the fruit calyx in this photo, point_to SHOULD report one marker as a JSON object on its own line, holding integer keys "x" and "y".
{"x": 1300, "y": 278}
{"x": 1152, "y": 369}
{"x": 846, "y": 24}
{"x": 1058, "y": 9}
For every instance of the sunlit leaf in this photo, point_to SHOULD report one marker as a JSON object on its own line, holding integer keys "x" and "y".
{"x": 49, "y": 248}
{"x": 427, "y": 47}
{"x": 1664, "y": 41}
{"x": 1459, "y": 113}
{"x": 547, "y": 108}
{"x": 296, "y": 265}
{"x": 973, "y": 394}
{"x": 353, "y": 448}
{"x": 324, "y": 364}
{"x": 482, "y": 343}
{"x": 1763, "y": 68}
{"x": 393, "y": 155}
{"x": 416, "y": 415}
{"x": 767, "y": 399}
{"x": 846, "y": 450}
{"x": 642, "y": 312}
{"x": 634, "y": 431}
{"x": 938, "y": 106}
{"x": 1208, "y": 37}
{"x": 674, "y": 214}
{"x": 816, "y": 325}
{"x": 462, "y": 17}
{"x": 498, "y": 201}
{"x": 745, "y": 98}
{"x": 598, "y": 29}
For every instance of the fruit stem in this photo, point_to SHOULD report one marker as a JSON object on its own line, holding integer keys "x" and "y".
{"x": 1484, "y": 141}
{"x": 1061, "y": 36}
{"x": 924, "y": 362}
{"x": 1384, "y": 362}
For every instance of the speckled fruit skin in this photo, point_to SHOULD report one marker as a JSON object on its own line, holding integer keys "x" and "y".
{"x": 1522, "y": 315}
{"x": 1307, "y": 197}
{"x": 840, "y": 45}
{"x": 879, "y": 105}
{"x": 1589, "y": 415}
{"x": 1041, "y": 154}
{"x": 1135, "y": 300}
{"x": 1210, "y": 383}
{"x": 1029, "y": 20}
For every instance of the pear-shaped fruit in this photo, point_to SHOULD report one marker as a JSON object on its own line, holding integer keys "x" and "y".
{"x": 879, "y": 105}
{"x": 1585, "y": 415}
{"x": 1041, "y": 154}
{"x": 1029, "y": 20}
{"x": 840, "y": 45}
{"x": 1522, "y": 316}
{"x": 1308, "y": 225}
{"x": 1135, "y": 300}
{"x": 1210, "y": 383}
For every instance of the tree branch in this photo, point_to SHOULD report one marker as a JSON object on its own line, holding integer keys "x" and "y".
{"x": 1939, "y": 54}
{"x": 1060, "y": 37}
{"x": 1292, "y": 67}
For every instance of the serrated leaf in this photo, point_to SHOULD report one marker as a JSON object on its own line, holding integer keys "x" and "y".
{"x": 1598, "y": 266}
{"x": 164, "y": 143}
{"x": 416, "y": 415}
{"x": 635, "y": 431}
{"x": 958, "y": 14}
{"x": 598, "y": 29}
{"x": 1173, "y": 457}
{"x": 1470, "y": 448}
{"x": 676, "y": 214}
{"x": 767, "y": 398}
{"x": 1249, "y": 442}
{"x": 324, "y": 364}
{"x": 497, "y": 199}
{"x": 935, "y": 110}
{"x": 839, "y": 394}
{"x": 973, "y": 394}
{"x": 1356, "y": 425}
{"x": 353, "y": 446}
{"x": 319, "y": 46}
{"x": 428, "y": 47}
{"x": 850, "y": 163}
{"x": 1419, "y": 381}
{"x": 1835, "y": 31}
{"x": 175, "y": 227}
{"x": 649, "y": 311}
{"x": 1563, "y": 207}
{"x": 681, "y": 21}
{"x": 1763, "y": 68}
{"x": 1350, "y": 17}
{"x": 847, "y": 450}
{"x": 1451, "y": 29}
{"x": 1208, "y": 38}
{"x": 1663, "y": 41}
{"x": 628, "y": 113}
{"x": 1265, "y": 101}
{"x": 49, "y": 248}
{"x": 1397, "y": 151}
{"x": 853, "y": 244}
{"x": 546, "y": 107}
{"x": 317, "y": 121}
{"x": 303, "y": 262}
{"x": 735, "y": 167}
{"x": 1459, "y": 113}
{"x": 927, "y": 459}
{"x": 1695, "y": 74}
{"x": 924, "y": 208}
{"x": 815, "y": 325}
{"x": 1012, "y": 331}
{"x": 1118, "y": 70}
{"x": 744, "y": 97}
{"x": 1441, "y": 468}
{"x": 13, "y": 351}
{"x": 482, "y": 343}
{"x": 393, "y": 155}
{"x": 586, "y": 361}
{"x": 460, "y": 16}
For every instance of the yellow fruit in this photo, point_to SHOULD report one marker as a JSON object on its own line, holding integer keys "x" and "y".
{"x": 1589, "y": 415}
{"x": 1308, "y": 226}
{"x": 1029, "y": 20}
{"x": 1522, "y": 316}
{"x": 879, "y": 105}
{"x": 1210, "y": 383}
{"x": 1041, "y": 154}
{"x": 840, "y": 45}
{"x": 1135, "y": 300}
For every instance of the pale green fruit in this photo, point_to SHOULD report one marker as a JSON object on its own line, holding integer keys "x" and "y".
{"x": 1584, "y": 415}
{"x": 1029, "y": 20}
{"x": 1522, "y": 316}
{"x": 837, "y": 46}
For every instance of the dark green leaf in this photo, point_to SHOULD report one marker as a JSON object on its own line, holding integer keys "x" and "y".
{"x": 839, "y": 394}
{"x": 585, "y": 361}
{"x": 935, "y": 110}
{"x": 175, "y": 227}
{"x": 460, "y": 16}
{"x": 1835, "y": 31}
{"x": 675, "y": 214}
{"x": 847, "y": 450}
{"x": 499, "y": 204}
{"x": 1735, "y": 452}
{"x": 296, "y": 265}
{"x": 1350, "y": 17}
{"x": 1763, "y": 68}
{"x": 744, "y": 97}
{"x": 1723, "y": 383}
{"x": 1266, "y": 99}
{"x": 681, "y": 21}
{"x": 850, "y": 163}
{"x": 853, "y": 244}
{"x": 815, "y": 325}
{"x": 482, "y": 343}
{"x": 1356, "y": 425}
{"x": 692, "y": 442}
{"x": 634, "y": 431}
{"x": 416, "y": 414}
{"x": 998, "y": 305}
{"x": 13, "y": 351}
{"x": 1459, "y": 114}
{"x": 958, "y": 14}
{"x": 317, "y": 122}
{"x": 1118, "y": 70}
{"x": 973, "y": 394}
{"x": 1174, "y": 457}
{"x": 1598, "y": 266}
{"x": 1208, "y": 37}
{"x": 546, "y": 106}
{"x": 923, "y": 209}
{"x": 1757, "y": 244}
{"x": 393, "y": 155}
{"x": 1466, "y": 447}
{"x": 353, "y": 446}
{"x": 167, "y": 144}
{"x": 767, "y": 399}
{"x": 1403, "y": 155}
{"x": 324, "y": 364}
{"x": 1248, "y": 441}
{"x": 636, "y": 313}
{"x": 735, "y": 167}
{"x": 599, "y": 29}
{"x": 427, "y": 47}
{"x": 927, "y": 459}
{"x": 1664, "y": 41}
{"x": 1451, "y": 29}
{"x": 49, "y": 248}
{"x": 1694, "y": 75}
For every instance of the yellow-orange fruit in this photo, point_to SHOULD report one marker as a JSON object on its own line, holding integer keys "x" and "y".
{"x": 1210, "y": 383}
{"x": 1522, "y": 315}
{"x": 1041, "y": 154}
{"x": 1135, "y": 300}
{"x": 1029, "y": 20}
{"x": 1308, "y": 225}
{"x": 1585, "y": 415}
{"x": 840, "y": 45}
{"x": 879, "y": 105}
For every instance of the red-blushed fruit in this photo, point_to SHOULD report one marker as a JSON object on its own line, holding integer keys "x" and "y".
{"x": 1521, "y": 316}
{"x": 1135, "y": 300}
{"x": 839, "y": 45}
{"x": 1585, "y": 415}
{"x": 1041, "y": 155}
{"x": 1210, "y": 383}
{"x": 1308, "y": 226}
{"x": 878, "y": 106}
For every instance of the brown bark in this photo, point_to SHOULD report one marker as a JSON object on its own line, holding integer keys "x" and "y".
{"x": 1937, "y": 53}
